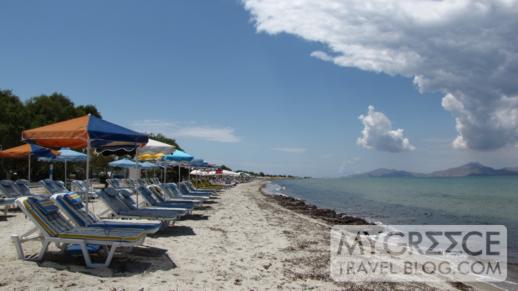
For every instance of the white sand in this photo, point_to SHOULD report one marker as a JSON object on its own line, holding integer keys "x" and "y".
{"x": 244, "y": 241}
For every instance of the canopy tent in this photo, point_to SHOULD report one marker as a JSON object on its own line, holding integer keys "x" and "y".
{"x": 178, "y": 156}
{"x": 28, "y": 150}
{"x": 66, "y": 155}
{"x": 86, "y": 132}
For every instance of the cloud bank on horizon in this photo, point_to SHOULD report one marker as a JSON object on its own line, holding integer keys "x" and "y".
{"x": 466, "y": 49}
{"x": 378, "y": 134}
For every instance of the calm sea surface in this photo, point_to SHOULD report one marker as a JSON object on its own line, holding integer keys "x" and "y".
{"x": 467, "y": 200}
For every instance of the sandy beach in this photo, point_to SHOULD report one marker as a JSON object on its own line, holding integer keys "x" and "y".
{"x": 244, "y": 240}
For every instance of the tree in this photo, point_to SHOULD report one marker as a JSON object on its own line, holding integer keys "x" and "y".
{"x": 15, "y": 116}
{"x": 46, "y": 109}
{"x": 223, "y": 167}
{"x": 13, "y": 119}
{"x": 87, "y": 109}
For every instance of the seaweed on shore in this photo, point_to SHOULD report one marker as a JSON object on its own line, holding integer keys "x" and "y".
{"x": 328, "y": 215}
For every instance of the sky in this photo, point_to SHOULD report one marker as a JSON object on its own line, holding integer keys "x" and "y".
{"x": 310, "y": 88}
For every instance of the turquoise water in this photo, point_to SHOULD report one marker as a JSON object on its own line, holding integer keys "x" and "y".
{"x": 467, "y": 200}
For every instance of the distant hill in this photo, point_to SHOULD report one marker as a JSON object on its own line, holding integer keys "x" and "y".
{"x": 473, "y": 169}
{"x": 470, "y": 169}
{"x": 387, "y": 173}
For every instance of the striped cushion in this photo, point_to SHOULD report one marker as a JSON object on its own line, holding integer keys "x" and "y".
{"x": 46, "y": 206}
{"x": 74, "y": 200}
{"x": 47, "y": 215}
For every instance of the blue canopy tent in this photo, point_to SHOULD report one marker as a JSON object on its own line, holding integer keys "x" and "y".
{"x": 65, "y": 155}
{"x": 178, "y": 156}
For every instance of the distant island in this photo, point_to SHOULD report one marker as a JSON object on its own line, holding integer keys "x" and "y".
{"x": 467, "y": 170}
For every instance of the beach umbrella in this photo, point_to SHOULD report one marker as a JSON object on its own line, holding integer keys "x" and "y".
{"x": 156, "y": 147}
{"x": 179, "y": 156}
{"x": 28, "y": 150}
{"x": 197, "y": 163}
{"x": 150, "y": 157}
{"x": 65, "y": 156}
{"x": 123, "y": 163}
{"x": 86, "y": 132}
{"x": 154, "y": 150}
{"x": 148, "y": 165}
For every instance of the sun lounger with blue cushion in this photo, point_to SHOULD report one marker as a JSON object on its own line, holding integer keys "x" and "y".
{"x": 185, "y": 191}
{"x": 162, "y": 196}
{"x": 54, "y": 228}
{"x": 114, "y": 200}
{"x": 194, "y": 189}
{"x": 83, "y": 188}
{"x": 54, "y": 187}
{"x": 74, "y": 208}
{"x": 154, "y": 201}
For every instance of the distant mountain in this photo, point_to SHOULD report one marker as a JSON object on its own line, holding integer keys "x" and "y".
{"x": 387, "y": 173}
{"x": 470, "y": 169}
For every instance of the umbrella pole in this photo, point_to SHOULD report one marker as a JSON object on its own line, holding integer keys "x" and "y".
{"x": 178, "y": 173}
{"x": 29, "y": 171}
{"x": 88, "y": 174}
{"x": 66, "y": 173}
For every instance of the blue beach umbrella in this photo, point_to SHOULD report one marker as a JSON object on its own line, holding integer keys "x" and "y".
{"x": 148, "y": 165}
{"x": 179, "y": 156}
{"x": 124, "y": 163}
{"x": 65, "y": 155}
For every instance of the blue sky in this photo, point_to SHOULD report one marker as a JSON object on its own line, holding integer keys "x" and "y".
{"x": 199, "y": 71}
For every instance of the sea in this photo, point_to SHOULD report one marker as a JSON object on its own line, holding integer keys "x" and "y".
{"x": 409, "y": 200}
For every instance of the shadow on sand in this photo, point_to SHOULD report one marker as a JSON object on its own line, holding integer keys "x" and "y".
{"x": 176, "y": 230}
{"x": 138, "y": 260}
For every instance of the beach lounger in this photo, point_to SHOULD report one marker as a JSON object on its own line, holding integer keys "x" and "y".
{"x": 185, "y": 191}
{"x": 74, "y": 208}
{"x": 54, "y": 187}
{"x": 9, "y": 189}
{"x": 83, "y": 188}
{"x": 23, "y": 186}
{"x": 191, "y": 187}
{"x": 117, "y": 183}
{"x": 54, "y": 228}
{"x": 114, "y": 201}
{"x": 126, "y": 197}
{"x": 172, "y": 189}
{"x": 156, "y": 201}
{"x": 160, "y": 194}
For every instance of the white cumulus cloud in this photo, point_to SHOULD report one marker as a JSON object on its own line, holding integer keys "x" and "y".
{"x": 180, "y": 130}
{"x": 378, "y": 134}
{"x": 466, "y": 49}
